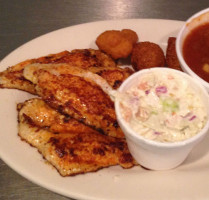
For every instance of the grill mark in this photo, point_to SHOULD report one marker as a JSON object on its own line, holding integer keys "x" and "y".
{"x": 28, "y": 120}
{"x": 126, "y": 158}
{"x": 115, "y": 124}
{"x": 116, "y": 84}
{"x": 59, "y": 149}
{"x": 99, "y": 151}
{"x": 72, "y": 152}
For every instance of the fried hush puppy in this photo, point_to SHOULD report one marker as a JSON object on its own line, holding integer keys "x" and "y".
{"x": 146, "y": 55}
{"x": 117, "y": 44}
{"x": 171, "y": 57}
{"x": 130, "y": 35}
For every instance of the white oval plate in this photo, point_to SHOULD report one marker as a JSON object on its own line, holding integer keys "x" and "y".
{"x": 189, "y": 181}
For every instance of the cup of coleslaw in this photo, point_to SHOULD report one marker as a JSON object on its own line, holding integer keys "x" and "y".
{"x": 164, "y": 114}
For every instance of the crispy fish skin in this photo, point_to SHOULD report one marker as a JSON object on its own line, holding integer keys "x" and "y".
{"x": 13, "y": 77}
{"x": 77, "y": 149}
{"x": 80, "y": 98}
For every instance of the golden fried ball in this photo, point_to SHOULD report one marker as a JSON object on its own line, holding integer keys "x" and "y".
{"x": 147, "y": 55}
{"x": 116, "y": 43}
{"x": 130, "y": 35}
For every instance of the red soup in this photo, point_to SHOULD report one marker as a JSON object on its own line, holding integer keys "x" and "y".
{"x": 196, "y": 51}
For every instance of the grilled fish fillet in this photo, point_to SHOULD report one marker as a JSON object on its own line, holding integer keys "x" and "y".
{"x": 78, "y": 93}
{"x": 71, "y": 147}
{"x": 94, "y": 60}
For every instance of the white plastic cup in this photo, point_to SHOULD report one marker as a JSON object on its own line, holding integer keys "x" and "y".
{"x": 158, "y": 155}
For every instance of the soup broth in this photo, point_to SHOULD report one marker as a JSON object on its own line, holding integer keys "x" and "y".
{"x": 196, "y": 51}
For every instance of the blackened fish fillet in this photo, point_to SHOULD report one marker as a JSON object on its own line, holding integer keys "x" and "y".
{"x": 93, "y": 60}
{"x": 71, "y": 147}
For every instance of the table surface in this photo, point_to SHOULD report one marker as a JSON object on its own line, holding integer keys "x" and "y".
{"x": 23, "y": 20}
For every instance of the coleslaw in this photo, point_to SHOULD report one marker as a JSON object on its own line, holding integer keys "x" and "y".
{"x": 163, "y": 107}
